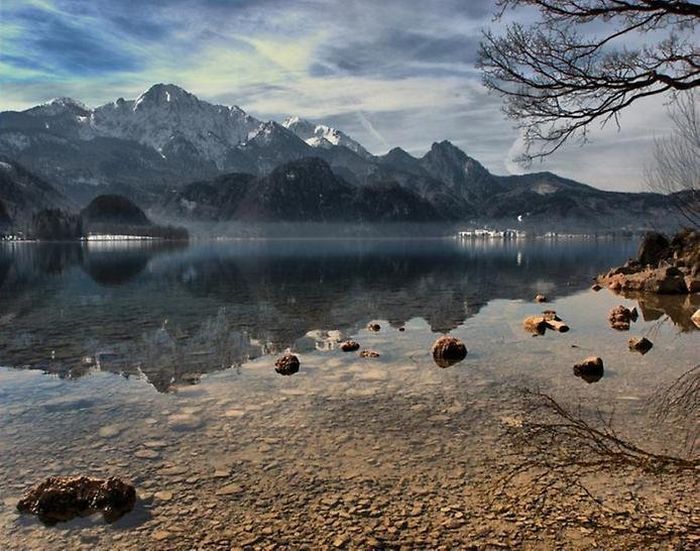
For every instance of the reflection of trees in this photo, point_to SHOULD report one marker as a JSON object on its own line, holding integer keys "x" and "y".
{"x": 218, "y": 299}
{"x": 283, "y": 291}
{"x": 115, "y": 263}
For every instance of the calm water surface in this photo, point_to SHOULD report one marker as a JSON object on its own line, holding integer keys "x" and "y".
{"x": 156, "y": 363}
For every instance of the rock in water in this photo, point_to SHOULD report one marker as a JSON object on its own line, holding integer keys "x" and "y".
{"x": 535, "y": 325}
{"x": 62, "y": 498}
{"x": 369, "y": 354}
{"x": 596, "y": 287}
{"x": 374, "y": 327}
{"x": 654, "y": 247}
{"x": 448, "y": 351}
{"x": 349, "y": 346}
{"x": 590, "y": 369}
{"x": 621, "y": 317}
{"x": 548, "y": 320}
{"x": 540, "y": 298}
{"x": 287, "y": 365}
{"x": 695, "y": 318}
{"x": 554, "y": 322}
{"x": 642, "y": 345}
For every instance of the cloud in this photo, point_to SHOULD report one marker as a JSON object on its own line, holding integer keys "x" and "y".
{"x": 390, "y": 73}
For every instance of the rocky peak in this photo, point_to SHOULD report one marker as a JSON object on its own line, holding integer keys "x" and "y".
{"x": 59, "y": 106}
{"x": 167, "y": 95}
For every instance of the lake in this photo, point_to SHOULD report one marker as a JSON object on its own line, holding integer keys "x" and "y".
{"x": 155, "y": 362}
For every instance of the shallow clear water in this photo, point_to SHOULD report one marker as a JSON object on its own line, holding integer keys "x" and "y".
{"x": 156, "y": 363}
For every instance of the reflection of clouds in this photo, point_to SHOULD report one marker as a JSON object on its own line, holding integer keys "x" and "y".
{"x": 257, "y": 297}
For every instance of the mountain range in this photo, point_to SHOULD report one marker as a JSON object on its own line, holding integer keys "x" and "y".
{"x": 184, "y": 158}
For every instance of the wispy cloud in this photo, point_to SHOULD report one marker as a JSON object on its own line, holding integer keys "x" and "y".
{"x": 395, "y": 72}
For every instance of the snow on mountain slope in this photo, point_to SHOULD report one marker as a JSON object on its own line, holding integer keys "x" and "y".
{"x": 320, "y": 135}
{"x": 165, "y": 112}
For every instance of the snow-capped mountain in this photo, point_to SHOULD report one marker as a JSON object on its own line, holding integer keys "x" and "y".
{"x": 319, "y": 135}
{"x": 166, "y": 112}
{"x": 166, "y": 138}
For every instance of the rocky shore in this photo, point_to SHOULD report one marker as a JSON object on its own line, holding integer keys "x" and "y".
{"x": 662, "y": 266}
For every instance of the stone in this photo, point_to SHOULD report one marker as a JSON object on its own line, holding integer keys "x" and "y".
{"x": 341, "y": 541}
{"x": 540, "y": 298}
{"x": 369, "y": 354}
{"x": 229, "y": 490}
{"x": 62, "y": 498}
{"x": 642, "y": 345}
{"x": 548, "y": 320}
{"x": 692, "y": 283}
{"x": 695, "y": 318}
{"x": 146, "y": 454}
{"x": 163, "y": 495}
{"x": 160, "y": 535}
{"x": 620, "y": 317}
{"x": 184, "y": 422}
{"x": 654, "y": 247}
{"x": 287, "y": 365}
{"x": 108, "y": 431}
{"x": 535, "y": 324}
{"x": 349, "y": 346}
{"x": 590, "y": 370}
{"x": 668, "y": 280}
{"x": 554, "y": 322}
{"x": 374, "y": 327}
{"x": 448, "y": 351}
{"x": 596, "y": 287}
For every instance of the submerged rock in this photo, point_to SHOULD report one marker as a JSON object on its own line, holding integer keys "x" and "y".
{"x": 369, "y": 354}
{"x": 642, "y": 345}
{"x": 349, "y": 346}
{"x": 448, "y": 351}
{"x": 60, "y": 498}
{"x": 590, "y": 370}
{"x": 287, "y": 365}
{"x": 548, "y": 320}
{"x": 620, "y": 317}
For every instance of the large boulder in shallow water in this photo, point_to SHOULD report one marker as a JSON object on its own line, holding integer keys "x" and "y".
{"x": 621, "y": 317}
{"x": 654, "y": 247}
{"x": 448, "y": 351}
{"x": 62, "y": 498}
{"x": 287, "y": 365}
{"x": 590, "y": 370}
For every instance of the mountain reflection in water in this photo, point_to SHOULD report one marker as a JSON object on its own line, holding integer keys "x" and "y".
{"x": 170, "y": 312}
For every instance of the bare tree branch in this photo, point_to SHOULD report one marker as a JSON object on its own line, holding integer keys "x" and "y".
{"x": 675, "y": 165}
{"x": 556, "y": 82}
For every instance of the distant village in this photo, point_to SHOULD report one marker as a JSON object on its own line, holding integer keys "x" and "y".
{"x": 512, "y": 234}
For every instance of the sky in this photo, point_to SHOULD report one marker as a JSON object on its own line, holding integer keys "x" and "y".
{"x": 387, "y": 72}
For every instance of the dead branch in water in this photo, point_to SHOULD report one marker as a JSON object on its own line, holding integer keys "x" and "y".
{"x": 556, "y": 449}
{"x": 681, "y": 401}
